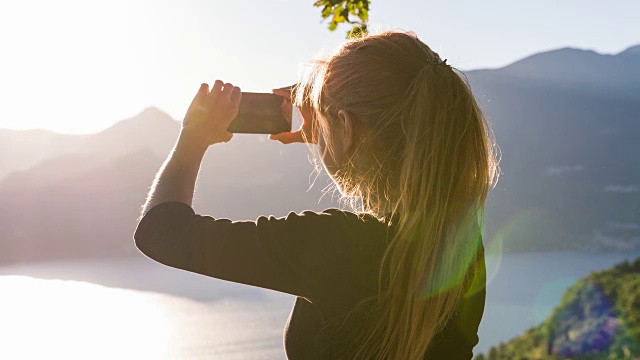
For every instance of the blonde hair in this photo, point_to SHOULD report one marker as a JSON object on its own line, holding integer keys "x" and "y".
{"x": 424, "y": 158}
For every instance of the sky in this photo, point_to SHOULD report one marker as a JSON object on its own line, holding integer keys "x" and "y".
{"x": 78, "y": 66}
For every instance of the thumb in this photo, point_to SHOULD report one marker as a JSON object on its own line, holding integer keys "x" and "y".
{"x": 284, "y": 92}
{"x": 287, "y": 137}
{"x": 227, "y": 136}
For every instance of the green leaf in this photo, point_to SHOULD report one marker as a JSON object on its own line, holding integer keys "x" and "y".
{"x": 363, "y": 14}
{"x": 337, "y": 15}
{"x": 338, "y": 12}
{"x": 345, "y": 14}
{"x": 327, "y": 11}
{"x": 357, "y": 31}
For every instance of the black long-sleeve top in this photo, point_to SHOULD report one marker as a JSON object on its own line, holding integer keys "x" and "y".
{"x": 329, "y": 260}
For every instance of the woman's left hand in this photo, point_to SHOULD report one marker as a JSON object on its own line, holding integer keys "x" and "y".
{"x": 210, "y": 114}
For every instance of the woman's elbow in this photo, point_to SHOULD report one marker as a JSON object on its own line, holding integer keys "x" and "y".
{"x": 163, "y": 233}
{"x": 167, "y": 250}
{"x": 145, "y": 245}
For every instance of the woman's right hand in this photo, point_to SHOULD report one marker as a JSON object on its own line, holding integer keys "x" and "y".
{"x": 306, "y": 132}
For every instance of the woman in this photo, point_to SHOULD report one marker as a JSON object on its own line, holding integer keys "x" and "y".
{"x": 402, "y": 277}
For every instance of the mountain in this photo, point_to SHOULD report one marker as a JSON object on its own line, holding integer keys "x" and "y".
{"x": 632, "y": 51}
{"x": 566, "y": 122}
{"x": 574, "y": 68}
{"x": 24, "y": 149}
{"x": 598, "y": 318}
{"x": 85, "y": 202}
{"x": 76, "y": 206}
{"x": 151, "y": 129}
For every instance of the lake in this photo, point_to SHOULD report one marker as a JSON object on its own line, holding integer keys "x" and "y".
{"x": 137, "y": 309}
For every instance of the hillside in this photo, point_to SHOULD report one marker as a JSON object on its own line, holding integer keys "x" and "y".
{"x": 23, "y": 149}
{"x": 567, "y": 123}
{"x": 598, "y": 318}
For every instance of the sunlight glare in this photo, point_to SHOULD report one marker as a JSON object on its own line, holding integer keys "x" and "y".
{"x": 44, "y": 319}
{"x": 74, "y": 66}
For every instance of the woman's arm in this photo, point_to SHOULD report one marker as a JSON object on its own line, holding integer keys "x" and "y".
{"x": 177, "y": 177}
{"x": 205, "y": 123}
{"x": 288, "y": 254}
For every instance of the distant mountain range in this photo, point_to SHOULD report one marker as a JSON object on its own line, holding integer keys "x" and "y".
{"x": 567, "y": 122}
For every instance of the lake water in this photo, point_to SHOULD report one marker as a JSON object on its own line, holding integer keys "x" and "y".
{"x": 138, "y": 309}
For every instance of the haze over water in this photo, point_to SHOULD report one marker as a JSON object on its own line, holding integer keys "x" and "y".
{"x": 135, "y": 308}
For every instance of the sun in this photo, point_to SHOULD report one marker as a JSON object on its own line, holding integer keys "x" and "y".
{"x": 71, "y": 66}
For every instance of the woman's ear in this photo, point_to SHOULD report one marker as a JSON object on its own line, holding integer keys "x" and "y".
{"x": 348, "y": 134}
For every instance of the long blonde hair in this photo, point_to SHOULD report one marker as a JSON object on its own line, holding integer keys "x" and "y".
{"x": 424, "y": 158}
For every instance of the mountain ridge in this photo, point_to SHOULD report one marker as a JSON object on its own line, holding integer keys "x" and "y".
{"x": 569, "y": 170}
{"x": 574, "y": 70}
{"x": 37, "y": 145}
{"x": 631, "y": 50}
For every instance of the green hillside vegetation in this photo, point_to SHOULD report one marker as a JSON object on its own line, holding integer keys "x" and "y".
{"x": 598, "y": 318}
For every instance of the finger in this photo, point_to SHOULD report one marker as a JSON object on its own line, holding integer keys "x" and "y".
{"x": 227, "y": 90}
{"x": 286, "y": 93}
{"x": 217, "y": 86}
{"x": 287, "y": 110}
{"x": 228, "y": 136}
{"x": 286, "y": 101}
{"x": 287, "y": 137}
{"x": 307, "y": 113}
{"x": 236, "y": 96}
{"x": 279, "y": 137}
{"x": 288, "y": 88}
{"x": 215, "y": 92}
{"x": 203, "y": 90}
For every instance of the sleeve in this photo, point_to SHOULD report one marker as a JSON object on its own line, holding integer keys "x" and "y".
{"x": 472, "y": 307}
{"x": 461, "y": 335}
{"x": 283, "y": 254}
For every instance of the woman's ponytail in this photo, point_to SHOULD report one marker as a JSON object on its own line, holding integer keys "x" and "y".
{"x": 425, "y": 163}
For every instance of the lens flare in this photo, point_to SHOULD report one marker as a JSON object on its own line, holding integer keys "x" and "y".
{"x": 523, "y": 231}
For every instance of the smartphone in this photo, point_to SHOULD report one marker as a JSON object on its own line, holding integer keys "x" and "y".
{"x": 261, "y": 113}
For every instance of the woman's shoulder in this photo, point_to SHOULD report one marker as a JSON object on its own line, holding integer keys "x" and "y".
{"x": 334, "y": 215}
{"x": 343, "y": 227}
{"x": 351, "y": 215}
